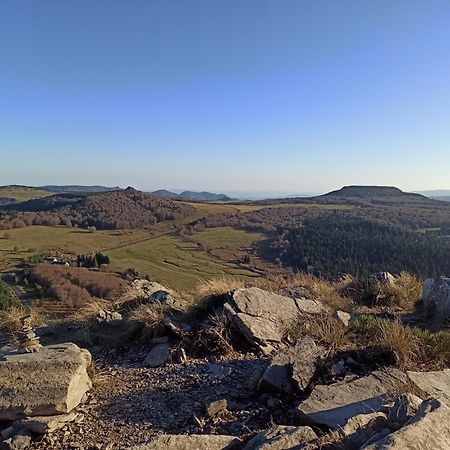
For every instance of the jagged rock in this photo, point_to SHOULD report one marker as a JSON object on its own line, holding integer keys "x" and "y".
{"x": 428, "y": 429}
{"x": 436, "y": 298}
{"x": 52, "y": 381}
{"x": 310, "y": 306}
{"x": 260, "y": 316}
{"x": 343, "y": 317}
{"x": 46, "y": 424}
{"x": 405, "y": 407}
{"x": 158, "y": 355}
{"x": 216, "y": 407}
{"x": 435, "y": 384}
{"x": 333, "y": 405}
{"x": 281, "y": 438}
{"x": 191, "y": 442}
{"x": 292, "y": 365}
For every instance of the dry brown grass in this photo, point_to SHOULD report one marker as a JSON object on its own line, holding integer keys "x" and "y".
{"x": 218, "y": 286}
{"x": 151, "y": 315}
{"x": 10, "y": 319}
{"x": 404, "y": 293}
{"x": 325, "y": 330}
{"x": 91, "y": 309}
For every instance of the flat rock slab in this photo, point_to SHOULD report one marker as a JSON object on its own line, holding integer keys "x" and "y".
{"x": 158, "y": 355}
{"x": 435, "y": 384}
{"x": 50, "y": 382}
{"x": 428, "y": 429}
{"x": 281, "y": 438}
{"x": 191, "y": 442}
{"x": 260, "y": 316}
{"x": 333, "y": 405}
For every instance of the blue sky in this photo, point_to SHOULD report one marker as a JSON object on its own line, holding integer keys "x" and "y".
{"x": 237, "y": 95}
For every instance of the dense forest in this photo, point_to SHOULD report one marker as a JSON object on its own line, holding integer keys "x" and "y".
{"x": 111, "y": 210}
{"x": 335, "y": 244}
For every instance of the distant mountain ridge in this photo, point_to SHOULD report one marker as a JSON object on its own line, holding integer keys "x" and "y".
{"x": 192, "y": 195}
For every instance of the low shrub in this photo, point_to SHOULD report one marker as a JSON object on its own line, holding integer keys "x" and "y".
{"x": 7, "y": 298}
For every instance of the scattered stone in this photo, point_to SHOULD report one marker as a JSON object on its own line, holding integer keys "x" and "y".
{"x": 436, "y": 298}
{"x": 216, "y": 407}
{"x": 310, "y": 306}
{"x": 405, "y": 407}
{"x": 435, "y": 384}
{"x": 191, "y": 442}
{"x": 293, "y": 365}
{"x": 428, "y": 429}
{"x": 52, "y": 381}
{"x": 281, "y": 438}
{"x": 108, "y": 316}
{"x": 158, "y": 355}
{"x": 46, "y": 424}
{"x": 218, "y": 371}
{"x": 343, "y": 317}
{"x": 260, "y": 316}
{"x": 333, "y": 405}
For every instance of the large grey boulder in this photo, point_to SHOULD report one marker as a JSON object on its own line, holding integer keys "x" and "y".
{"x": 281, "y": 438}
{"x": 428, "y": 429}
{"x": 436, "y": 298}
{"x": 261, "y": 317}
{"x": 333, "y": 405}
{"x": 435, "y": 384}
{"x": 292, "y": 367}
{"x": 191, "y": 442}
{"x": 52, "y": 381}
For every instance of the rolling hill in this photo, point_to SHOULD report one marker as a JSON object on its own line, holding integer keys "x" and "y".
{"x": 192, "y": 195}
{"x": 75, "y": 188}
{"x": 18, "y": 193}
{"x": 126, "y": 208}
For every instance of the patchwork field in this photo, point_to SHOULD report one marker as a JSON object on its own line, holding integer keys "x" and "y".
{"x": 165, "y": 258}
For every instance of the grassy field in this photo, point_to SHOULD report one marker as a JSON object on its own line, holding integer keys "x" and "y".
{"x": 166, "y": 259}
{"x": 23, "y": 193}
{"x": 175, "y": 263}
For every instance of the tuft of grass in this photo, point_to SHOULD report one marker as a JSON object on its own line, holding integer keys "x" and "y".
{"x": 413, "y": 346}
{"x": 218, "y": 286}
{"x": 91, "y": 309}
{"x": 325, "y": 330}
{"x": 404, "y": 293}
{"x": 151, "y": 315}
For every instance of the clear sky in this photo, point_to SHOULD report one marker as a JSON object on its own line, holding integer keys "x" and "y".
{"x": 232, "y": 95}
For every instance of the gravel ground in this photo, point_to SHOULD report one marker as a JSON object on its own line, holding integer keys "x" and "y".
{"x": 130, "y": 404}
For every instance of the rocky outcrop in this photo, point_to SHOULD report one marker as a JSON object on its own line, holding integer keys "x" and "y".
{"x": 263, "y": 317}
{"x": 281, "y": 438}
{"x": 293, "y": 367}
{"x": 191, "y": 442}
{"x": 52, "y": 381}
{"x": 436, "y": 298}
{"x": 333, "y": 405}
{"x": 435, "y": 384}
{"x": 428, "y": 429}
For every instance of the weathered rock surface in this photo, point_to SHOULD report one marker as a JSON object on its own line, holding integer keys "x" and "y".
{"x": 216, "y": 407}
{"x": 191, "y": 442}
{"x": 281, "y": 438}
{"x": 436, "y": 298}
{"x": 343, "y": 317}
{"x": 260, "y": 316}
{"x": 17, "y": 442}
{"x": 362, "y": 427}
{"x": 292, "y": 365}
{"x": 382, "y": 277}
{"x": 428, "y": 429}
{"x": 158, "y": 355}
{"x": 404, "y": 408}
{"x": 335, "y": 404}
{"x": 435, "y": 384}
{"x": 45, "y": 424}
{"x": 111, "y": 333}
{"x": 52, "y": 381}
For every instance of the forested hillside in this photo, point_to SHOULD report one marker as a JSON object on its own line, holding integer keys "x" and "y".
{"x": 111, "y": 210}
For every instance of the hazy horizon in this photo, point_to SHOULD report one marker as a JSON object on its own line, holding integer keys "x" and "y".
{"x": 255, "y": 96}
